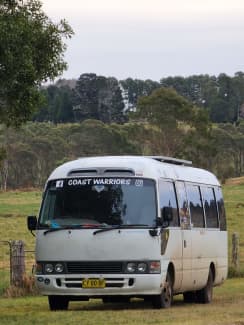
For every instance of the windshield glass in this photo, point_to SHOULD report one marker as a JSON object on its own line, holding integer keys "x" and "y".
{"x": 99, "y": 202}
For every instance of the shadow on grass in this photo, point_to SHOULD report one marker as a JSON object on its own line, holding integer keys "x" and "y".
{"x": 134, "y": 304}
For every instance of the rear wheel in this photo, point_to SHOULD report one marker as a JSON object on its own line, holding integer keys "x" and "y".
{"x": 164, "y": 300}
{"x": 58, "y": 302}
{"x": 205, "y": 295}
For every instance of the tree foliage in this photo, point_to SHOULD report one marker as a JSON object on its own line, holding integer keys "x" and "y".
{"x": 98, "y": 97}
{"x": 174, "y": 118}
{"x": 221, "y": 96}
{"x": 31, "y": 51}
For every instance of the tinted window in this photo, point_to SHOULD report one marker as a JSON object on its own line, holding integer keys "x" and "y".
{"x": 100, "y": 202}
{"x": 210, "y": 207}
{"x": 195, "y": 204}
{"x": 183, "y": 205}
{"x": 167, "y": 198}
{"x": 221, "y": 209}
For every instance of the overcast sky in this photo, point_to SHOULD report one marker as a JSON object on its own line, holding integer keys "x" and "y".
{"x": 152, "y": 39}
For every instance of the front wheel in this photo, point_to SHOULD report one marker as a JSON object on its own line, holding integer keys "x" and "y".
{"x": 58, "y": 302}
{"x": 164, "y": 300}
{"x": 205, "y": 295}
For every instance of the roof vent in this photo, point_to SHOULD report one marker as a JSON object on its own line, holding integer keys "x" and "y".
{"x": 83, "y": 172}
{"x": 119, "y": 172}
{"x": 102, "y": 172}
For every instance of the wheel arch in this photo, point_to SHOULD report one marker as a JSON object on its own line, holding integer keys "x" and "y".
{"x": 171, "y": 271}
{"x": 212, "y": 268}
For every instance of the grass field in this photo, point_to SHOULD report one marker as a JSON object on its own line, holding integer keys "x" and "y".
{"x": 227, "y": 308}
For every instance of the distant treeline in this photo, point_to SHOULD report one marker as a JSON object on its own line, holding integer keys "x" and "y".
{"x": 29, "y": 154}
{"x": 110, "y": 100}
{"x": 199, "y": 118}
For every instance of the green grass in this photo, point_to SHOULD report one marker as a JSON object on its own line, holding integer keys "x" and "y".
{"x": 234, "y": 205}
{"x": 226, "y": 308}
{"x": 19, "y": 203}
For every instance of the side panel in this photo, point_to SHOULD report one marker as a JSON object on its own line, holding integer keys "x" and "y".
{"x": 171, "y": 249}
{"x": 208, "y": 246}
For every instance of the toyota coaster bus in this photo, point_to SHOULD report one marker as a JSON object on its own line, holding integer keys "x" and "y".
{"x": 120, "y": 227}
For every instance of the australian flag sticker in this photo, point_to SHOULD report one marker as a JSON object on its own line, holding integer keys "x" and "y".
{"x": 60, "y": 183}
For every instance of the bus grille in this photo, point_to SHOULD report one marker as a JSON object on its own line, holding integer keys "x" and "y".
{"x": 94, "y": 267}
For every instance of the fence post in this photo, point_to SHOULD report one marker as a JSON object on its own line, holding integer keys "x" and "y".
{"x": 17, "y": 262}
{"x": 235, "y": 251}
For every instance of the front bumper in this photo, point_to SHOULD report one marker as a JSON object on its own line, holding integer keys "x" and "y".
{"x": 119, "y": 284}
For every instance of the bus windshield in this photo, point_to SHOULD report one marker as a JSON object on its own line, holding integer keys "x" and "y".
{"x": 99, "y": 202}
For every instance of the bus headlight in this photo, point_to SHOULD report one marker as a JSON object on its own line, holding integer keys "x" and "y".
{"x": 142, "y": 267}
{"x": 59, "y": 268}
{"x": 131, "y": 267}
{"x": 49, "y": 268}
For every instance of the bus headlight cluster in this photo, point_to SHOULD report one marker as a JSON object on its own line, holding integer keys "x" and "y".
{"x": 143, "y": 267}
{"x": 53, "y": 268}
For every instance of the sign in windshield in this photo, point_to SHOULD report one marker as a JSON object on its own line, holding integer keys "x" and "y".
{"x": 99, "y": 202}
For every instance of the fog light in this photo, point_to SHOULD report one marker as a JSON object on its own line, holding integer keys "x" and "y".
{"x": 59, "y": 268}
{"x": 47, "y": 281}
{"x": 48, "y": 268}
{"x": 131, "y": 267}
{"x": 142, "y": 267}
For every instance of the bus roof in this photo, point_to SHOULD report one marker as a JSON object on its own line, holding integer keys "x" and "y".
{"x": 140, "y": 166}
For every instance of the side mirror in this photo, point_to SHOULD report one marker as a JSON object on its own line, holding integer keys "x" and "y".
{"x": 31, "y": 222}
{"x": 167, "y": 214}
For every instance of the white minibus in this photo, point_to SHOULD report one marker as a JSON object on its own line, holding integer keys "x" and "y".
{"x": 122, "y": 227}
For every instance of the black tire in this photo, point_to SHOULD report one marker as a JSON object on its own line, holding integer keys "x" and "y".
{"x": 189, "y": 296}
{"x": 58, "y": 302}
{"x": 164, "y": 300}
{"x": 205, "y": 295}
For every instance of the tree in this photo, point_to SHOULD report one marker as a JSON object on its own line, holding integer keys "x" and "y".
{"x": 57, "y": 107}
{"x": 31, "y": 51}
{"x": 173, "y": 118}
{"x": 98, "y": 97}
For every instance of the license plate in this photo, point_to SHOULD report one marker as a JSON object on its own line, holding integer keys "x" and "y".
{"x": 93, "y": 283}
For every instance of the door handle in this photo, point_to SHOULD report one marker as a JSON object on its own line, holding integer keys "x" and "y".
{"x": 184, "y": 243}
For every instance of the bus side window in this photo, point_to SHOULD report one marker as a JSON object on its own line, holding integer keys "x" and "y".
{"x": 195, "y": 203}
{"x": 210, "y": 207}
{"x": 221, "y": 208}
{"x": 167, "y": 198}
{"x": 183, "y": 205}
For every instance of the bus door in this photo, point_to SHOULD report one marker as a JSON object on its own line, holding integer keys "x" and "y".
{"x": 186, "y": 236}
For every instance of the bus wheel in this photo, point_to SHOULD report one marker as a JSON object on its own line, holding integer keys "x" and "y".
{"x": 58, "y": 302}
{"x": 204, "y": 296}
{"x": 164, "y": 300}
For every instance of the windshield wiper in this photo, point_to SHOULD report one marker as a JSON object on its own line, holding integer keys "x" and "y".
{"x": 118, "y": 227}
{"x": 63, "y": 228}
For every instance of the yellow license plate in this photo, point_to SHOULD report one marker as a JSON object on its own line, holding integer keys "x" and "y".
{"x": 93, "y": 283}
